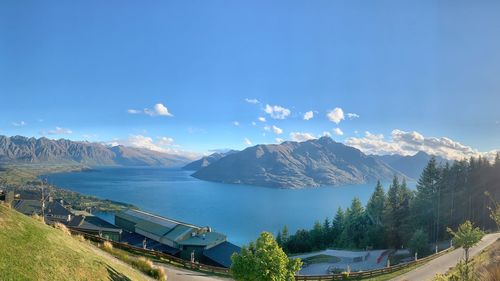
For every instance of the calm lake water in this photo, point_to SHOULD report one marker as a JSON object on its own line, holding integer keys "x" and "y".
{"x": 239, "y": 211}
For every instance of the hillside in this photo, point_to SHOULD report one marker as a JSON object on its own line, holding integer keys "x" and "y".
{"x": 298, "y": 164}
{"x": 207, "y": 160}
{"x": 19, "y": 149}
{"x": 31, "y": 250}
{"x": 412, "y": 165}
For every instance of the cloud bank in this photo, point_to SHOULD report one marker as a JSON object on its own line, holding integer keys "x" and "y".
{"x": 409, "y": 143}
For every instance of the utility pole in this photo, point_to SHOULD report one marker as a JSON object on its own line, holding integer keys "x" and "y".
{"x": 43, "y": 205}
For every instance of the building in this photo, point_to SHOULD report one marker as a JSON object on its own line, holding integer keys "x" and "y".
{"x": 56, "y": 212}
{"x": 191, "y": 242}
{"x": 95, "y": 226}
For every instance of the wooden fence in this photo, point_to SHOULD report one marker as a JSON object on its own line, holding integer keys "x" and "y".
{"x": 166, "y": 258}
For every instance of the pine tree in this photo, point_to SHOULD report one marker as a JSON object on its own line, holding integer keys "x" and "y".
{"x": 337, "y": 227}
{"x": 425, "y": 204}
{"x": 374, "y": 213}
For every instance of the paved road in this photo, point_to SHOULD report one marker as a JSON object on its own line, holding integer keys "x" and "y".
{"x": 441, "y": 264}
{"x": 179, "y": 274}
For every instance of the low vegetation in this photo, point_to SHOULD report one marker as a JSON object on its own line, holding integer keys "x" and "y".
{"x": 141, "y": 263}
{"x": 31, "y": 250}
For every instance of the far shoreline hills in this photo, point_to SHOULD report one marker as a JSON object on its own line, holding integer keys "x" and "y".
{"x": 313, "y": 163}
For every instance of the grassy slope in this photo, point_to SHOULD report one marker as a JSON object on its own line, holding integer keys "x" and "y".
{"x": 31, "y": 250}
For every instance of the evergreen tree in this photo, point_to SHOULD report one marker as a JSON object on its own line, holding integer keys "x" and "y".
{"x": 424, "y": 207}
{"x": 337, "y": 227}
{"x": 374, "y": 213}
{"x": 391, "y": 216}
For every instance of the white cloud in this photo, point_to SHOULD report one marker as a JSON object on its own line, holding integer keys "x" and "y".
{"x": 277, "y": 130}
{"x": 326, "y": 134}
{"x": 409, "y": 143}
{"x": 162, "y": 144}
{"x": 279, "y": 140}
{"x": 19, "y": 124}
{"x": 247, "y": 141}
{"x": 60, "y": 131}
{"x": 277, "y": 112}
{"x": 165, "y": 141}
{"x": 308, "y": 115}
{"x": 262, "y": 119}
{"x": 298, "y": 136}
{"x": 158, "y": 110}
{"x": 254, "y": 124}
{"x": 252, "y": 101}
{"x": 267, "y": 128}
{"x": 338, "y": 132}
{"x": 352, "y": 115}
{"x": 336, "y": 115}
{"x": 134, "y": 111}
{"x": 236, "y": 123}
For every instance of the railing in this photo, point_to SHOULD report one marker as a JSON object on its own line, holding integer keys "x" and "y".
{"x": 163, "y": 257}
{"x": 369, "y": 273}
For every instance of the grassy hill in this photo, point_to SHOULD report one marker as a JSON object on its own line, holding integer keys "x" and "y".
{"x": 31, "y": 250}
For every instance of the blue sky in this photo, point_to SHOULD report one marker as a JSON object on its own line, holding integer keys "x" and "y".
{"x": 417, "y": 72}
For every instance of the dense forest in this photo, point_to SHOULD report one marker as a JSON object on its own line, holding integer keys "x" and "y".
{"x": 445, "y": 196}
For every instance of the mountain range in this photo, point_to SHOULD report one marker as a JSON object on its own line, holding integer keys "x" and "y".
{"x": 19, "y": 149}
{"x": 412, "y": 166}
{"x": 207, "y": 160}
{"x": 298, "y": 164}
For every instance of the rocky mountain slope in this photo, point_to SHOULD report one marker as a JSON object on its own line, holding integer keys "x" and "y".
{"x": 207, "y": 160}
{"x": 19, "y": 149}
{"x": 298, "y": 164}
{"x": 412, "y": 166}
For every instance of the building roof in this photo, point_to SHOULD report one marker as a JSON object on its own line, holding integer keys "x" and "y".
{"x": 136, "y": 239}
{"x": 28, "y": 207}
{"x": 92, "y": 223}
{"x": 56, "y": 209}
{"x": 136, "y": 216}
{"x": 221, "y": 253}
{"x": 178, "y": 232}
{"x": 208, "y": 238}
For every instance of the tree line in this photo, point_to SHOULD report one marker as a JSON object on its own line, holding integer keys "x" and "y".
{"x": 446, "y": 195}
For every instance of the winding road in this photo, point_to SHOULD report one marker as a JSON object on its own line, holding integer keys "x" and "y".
{"x": 441, "y": 264}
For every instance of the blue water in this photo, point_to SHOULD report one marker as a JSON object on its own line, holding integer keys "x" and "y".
{"x": 239, "y": 211}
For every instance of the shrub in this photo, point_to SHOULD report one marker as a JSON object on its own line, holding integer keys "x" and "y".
{"x": 79, "y": 238}
{"x": 38, "y": 218}
{"x": 107, "y": 246}
{"x": 62, "y": 227}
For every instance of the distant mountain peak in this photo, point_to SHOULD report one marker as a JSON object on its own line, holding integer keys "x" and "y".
{"x": 19, "y": 149}
{"x": 297, "y": 164}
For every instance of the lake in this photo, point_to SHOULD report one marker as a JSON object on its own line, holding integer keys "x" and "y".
{"x": 239, "y": 211}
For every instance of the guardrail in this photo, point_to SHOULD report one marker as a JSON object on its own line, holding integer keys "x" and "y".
{"x": 369, "y": 273}
{"x": 158, "y": 255}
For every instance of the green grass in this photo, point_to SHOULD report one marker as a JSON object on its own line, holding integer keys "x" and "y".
{"x": 321, "y": 259}
{"x": 31, "y": 250}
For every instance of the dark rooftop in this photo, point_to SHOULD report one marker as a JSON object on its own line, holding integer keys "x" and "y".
{"x": 221, "y": 253}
